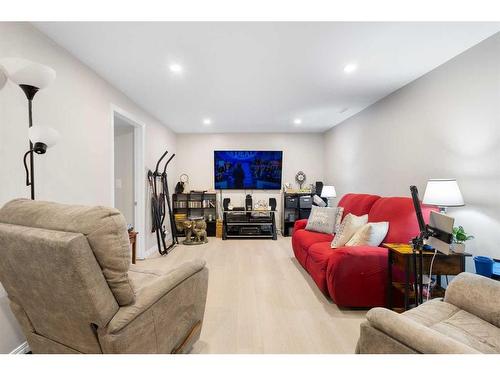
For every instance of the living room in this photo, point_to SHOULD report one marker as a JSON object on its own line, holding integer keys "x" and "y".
{"x": 313, "y": 187}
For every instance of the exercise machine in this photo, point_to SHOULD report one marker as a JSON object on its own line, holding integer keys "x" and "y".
{"x": 160, "y": 206}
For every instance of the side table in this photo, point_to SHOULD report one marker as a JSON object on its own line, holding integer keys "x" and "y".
{"x": 132, "y": 236}
{"x": 401, "y": 256}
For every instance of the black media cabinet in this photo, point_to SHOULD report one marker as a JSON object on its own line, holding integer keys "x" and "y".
{"x": 259, "y": 224}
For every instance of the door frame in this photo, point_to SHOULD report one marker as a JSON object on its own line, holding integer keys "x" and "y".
{"x": 139, "y": 173}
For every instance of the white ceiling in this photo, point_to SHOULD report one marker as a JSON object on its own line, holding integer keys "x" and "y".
{"x": 258, "y": 77}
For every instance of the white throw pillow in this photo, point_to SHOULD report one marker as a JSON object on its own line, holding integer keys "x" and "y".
{"x": 348, "y": 227}
{"x": 371, "y": 234}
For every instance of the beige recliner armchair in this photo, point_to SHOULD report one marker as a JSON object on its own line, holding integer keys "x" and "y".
{"x": 466, "y": 321}
{"x": 68, "y": 274}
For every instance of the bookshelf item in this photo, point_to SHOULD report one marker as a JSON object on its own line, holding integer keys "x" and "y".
{"x": 195, "y": 204}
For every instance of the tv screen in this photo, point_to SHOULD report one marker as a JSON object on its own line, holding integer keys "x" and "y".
{"x": 248, "y": 169}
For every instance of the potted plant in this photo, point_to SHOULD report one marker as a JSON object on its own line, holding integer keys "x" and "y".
{"x": 459, "y": 239}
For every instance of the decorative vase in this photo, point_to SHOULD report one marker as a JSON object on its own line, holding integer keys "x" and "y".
{"x": 458, "y": 248}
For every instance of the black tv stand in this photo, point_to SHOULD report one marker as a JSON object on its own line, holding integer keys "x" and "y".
{"x": 259, "y": 224}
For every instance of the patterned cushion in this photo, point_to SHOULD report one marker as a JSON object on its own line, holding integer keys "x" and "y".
{"x": 348, "y": 227}
{"x": 322, "y": 220}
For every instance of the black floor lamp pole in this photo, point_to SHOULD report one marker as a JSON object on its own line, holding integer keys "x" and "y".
{"x": 32, "y": 159}
{"x": 30, "y": 92}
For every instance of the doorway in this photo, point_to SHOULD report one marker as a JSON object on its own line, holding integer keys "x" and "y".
{"x": 124, "y": 170}
{"x": 127, "y": 187}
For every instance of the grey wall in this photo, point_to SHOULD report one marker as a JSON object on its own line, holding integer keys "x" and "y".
{"x": 445, "y": 124}
{"x": 77, "y": 170}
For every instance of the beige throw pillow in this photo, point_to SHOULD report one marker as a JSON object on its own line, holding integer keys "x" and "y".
{"x": 338, "y": 219}
{"x": 348, "y": 227}
{"x": 371, "y": 234}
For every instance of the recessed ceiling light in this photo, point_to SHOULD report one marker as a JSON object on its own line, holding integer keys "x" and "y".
{"x": 297, "y": 121}
{"x": 350, "y": 68}
{"x": 207, "y": 121}
{"x": 175, "y": 68}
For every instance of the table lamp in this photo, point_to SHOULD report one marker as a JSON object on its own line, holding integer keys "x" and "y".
{"x": 443, "y": 193}
{"x": 329, "y": 192}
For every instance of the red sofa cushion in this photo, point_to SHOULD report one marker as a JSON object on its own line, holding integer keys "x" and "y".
{"x": 357, "y": 276}
{"x": 303, "y": 239}
{"x": 317, "y": 263}
{"x": 357, "y": 204}
{"x": 400, "y": 214}
{"x": 306, "y": 238}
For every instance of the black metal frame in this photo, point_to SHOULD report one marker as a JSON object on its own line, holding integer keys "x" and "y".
{"x": 158, "y": 199}
{"x": 426, "y": 231}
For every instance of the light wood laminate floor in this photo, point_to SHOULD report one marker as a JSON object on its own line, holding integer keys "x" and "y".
{"x": 260, "y": 300}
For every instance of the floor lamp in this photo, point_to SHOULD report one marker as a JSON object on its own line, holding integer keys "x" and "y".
{"x": 31, "y": 77}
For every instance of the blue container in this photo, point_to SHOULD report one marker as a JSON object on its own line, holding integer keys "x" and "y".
{"x": 484, "y": 266}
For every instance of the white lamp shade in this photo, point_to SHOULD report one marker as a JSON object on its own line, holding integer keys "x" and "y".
{"x": 42, "y": 134}
{"x": 443, "y": 192}
{"x": 328, "y": 192}
{"x": 26, "y": 72}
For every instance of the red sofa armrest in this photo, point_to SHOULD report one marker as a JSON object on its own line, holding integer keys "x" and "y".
{"x": 357, "y": 276}
{"x": 299, "y": 224}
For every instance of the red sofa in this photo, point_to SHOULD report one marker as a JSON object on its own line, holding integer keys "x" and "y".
{"x": 356, "y": 276}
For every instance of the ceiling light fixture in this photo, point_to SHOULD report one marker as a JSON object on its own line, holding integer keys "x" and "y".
{"x": 350, "y": 68}
{"x": 175, "y": 68}
{"x": 297, "y": 121}
{"x": 207, "y": 121}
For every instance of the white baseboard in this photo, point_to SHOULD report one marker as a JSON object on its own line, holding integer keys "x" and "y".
{"x": 21, "y": 349}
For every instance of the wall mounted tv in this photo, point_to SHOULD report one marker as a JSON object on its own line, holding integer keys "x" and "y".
{"x": 248, "y": 169}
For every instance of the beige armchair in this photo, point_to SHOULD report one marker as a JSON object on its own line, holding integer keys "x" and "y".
{"x": 466, "y": 321}
{"x": 67, "y": 271}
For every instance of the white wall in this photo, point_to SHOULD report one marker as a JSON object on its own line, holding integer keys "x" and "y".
{"x": 195, "y": 157}
{"x": 78, "y": 169}
{"x": 124, "y": 169}
{"x": 445, "y": 124}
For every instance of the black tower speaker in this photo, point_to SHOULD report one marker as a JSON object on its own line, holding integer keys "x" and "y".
{"x": 319, "y": 187}
{"x": 225, "y": 203}
{"x": 248, "y": 203}
{"x": 272, "y": 204}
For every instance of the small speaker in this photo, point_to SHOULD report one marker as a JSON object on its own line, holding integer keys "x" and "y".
{"x": 319, "y": 187}
{"x": 272, "y": 204}
{"x": 225, "y": 203}
{"x": 248, "y": 203}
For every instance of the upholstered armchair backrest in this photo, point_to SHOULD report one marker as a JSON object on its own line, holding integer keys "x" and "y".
{"x": 65, "y": 269}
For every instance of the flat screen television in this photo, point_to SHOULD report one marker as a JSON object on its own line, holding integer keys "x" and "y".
{"x": 248, "y": 169}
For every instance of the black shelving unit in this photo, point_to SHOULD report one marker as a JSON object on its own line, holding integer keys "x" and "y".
{"x": 249, "y": 224}
{"x": 196, "y": 204}
{"x": 292, "y": 211}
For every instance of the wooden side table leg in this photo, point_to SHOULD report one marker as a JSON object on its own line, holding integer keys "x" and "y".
{"x": 407, "y": 284}
{"x": 133, "y": 253}
{"x": 389, "y": 280}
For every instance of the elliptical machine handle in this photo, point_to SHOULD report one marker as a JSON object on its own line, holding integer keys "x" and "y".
{"x": 159, "y": 161}
{"x": 166, "y": 164}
